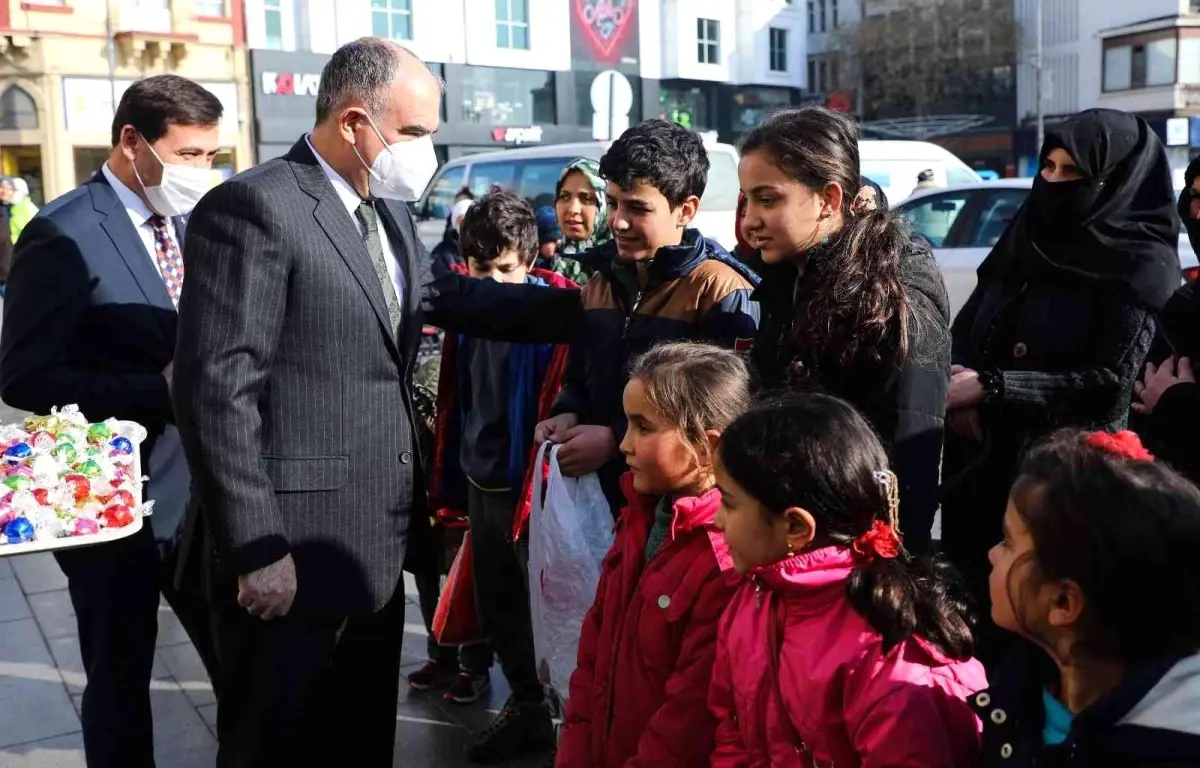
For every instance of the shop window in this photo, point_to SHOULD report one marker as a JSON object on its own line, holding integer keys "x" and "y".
{"x": 812, "y": 75}
{"x": 512, "y": 24}
{"x": 752, "y": 105}
{"x": 18, "y": 112}
{"x": 779, "y": 44}
{"x": 689, "y": 107}
{"x": 392, "y": 19}
{"x": 273, "y": 23}
{"x": 1141, "y": 64}
{"x": 708, "y": 41}
{"x": 1189, "y": 60}
{"x": 211, "y": 8}
{"x": 88, "y": 160}
{"x": 507, "y": 97}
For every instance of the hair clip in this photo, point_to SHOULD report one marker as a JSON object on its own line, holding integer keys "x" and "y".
{"x": 863, "y": 202}
{"x": 1123, "y": 445}
{"x": 890, "y": 484}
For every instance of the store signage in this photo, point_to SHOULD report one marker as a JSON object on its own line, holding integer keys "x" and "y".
{"x": 290, "y": 84}
{"x": 529, "y": 135}
{"x": 604, "y": 35}
{"x": 605, "y": 23}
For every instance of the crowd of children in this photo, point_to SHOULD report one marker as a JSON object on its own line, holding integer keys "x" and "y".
{"x": 762, "y": 603}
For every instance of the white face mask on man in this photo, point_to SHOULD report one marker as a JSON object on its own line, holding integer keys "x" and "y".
{"x": 181, "y": 187}
{"x": 401, "y": 170}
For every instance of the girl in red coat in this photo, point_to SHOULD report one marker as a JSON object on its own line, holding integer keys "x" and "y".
{"x": 646, "y": 650}
{"x": 840, "y": 649}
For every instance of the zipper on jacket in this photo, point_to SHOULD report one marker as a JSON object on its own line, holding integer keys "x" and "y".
{"x": 757, "y": 591}
{"x": 637, "y": 302}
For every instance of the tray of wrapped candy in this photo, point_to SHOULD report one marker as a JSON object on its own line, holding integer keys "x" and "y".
{"x": 66, "y": 483}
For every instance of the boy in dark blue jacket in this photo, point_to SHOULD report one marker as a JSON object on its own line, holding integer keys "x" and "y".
{"x": 656, "y": 280}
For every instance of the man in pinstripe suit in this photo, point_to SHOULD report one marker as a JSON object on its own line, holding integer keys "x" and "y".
{"x": 297, "y": 337}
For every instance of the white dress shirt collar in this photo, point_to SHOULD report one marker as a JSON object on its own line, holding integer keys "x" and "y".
{"x": 137, "y": 209}
{"x": 350, "y": 198}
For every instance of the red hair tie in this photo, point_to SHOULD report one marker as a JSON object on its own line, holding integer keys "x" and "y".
{"x": 881, "y": 541}
{"x": 1123, "y": 445}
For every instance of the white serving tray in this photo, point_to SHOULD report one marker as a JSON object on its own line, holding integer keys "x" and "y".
{"x": 104, "y": 534}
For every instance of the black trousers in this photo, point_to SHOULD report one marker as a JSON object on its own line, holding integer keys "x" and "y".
{"x": 502, "y": 589}
{"x": 302, "y": 690}
{"x": 114, "y": 590}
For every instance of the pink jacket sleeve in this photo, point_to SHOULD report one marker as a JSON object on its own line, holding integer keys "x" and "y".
{"x": 682, "y": 731}
{"x": 730, "y": 750}
{"x": 906, "y": 721}
{"x": 575, "y": 741}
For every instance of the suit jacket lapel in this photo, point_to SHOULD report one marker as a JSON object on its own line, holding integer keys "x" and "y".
{"x": 404, "y": 244}
{"x": 117, "y": 225}
{"x": 332, "y": 217}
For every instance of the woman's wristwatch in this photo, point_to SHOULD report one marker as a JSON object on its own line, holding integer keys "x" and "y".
{"x": 993, "y": 385}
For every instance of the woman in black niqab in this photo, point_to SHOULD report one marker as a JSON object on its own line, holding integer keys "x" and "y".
{"x": 1115, "y": 224}
{"x": 1058, "y": 327}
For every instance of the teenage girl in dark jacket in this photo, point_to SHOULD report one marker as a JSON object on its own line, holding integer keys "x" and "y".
{"x": 850, "y": 304}
{"x": 1167, "y": 400}
{"x": 1056, "y": 331}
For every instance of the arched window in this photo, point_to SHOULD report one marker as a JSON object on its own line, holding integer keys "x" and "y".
{"x": 18, "y": 112}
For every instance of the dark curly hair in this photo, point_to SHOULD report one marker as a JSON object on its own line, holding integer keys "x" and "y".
{"x": 667, "y": 156}
{"x": 1127, "y": 532}
{"x": 860, "y": 308}
{"x": 497, "y": 222}
{"x": 817, "y": 452}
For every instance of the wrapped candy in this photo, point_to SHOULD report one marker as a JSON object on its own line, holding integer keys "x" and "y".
{"x": 61, "y": 476}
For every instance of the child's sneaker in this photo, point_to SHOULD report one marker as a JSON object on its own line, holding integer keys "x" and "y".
{"x": 467, "y": 688}
{"x": 430, "y": 676}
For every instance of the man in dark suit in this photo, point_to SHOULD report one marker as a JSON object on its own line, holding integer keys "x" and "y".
{"x": 89, "y": 319}
{"x": 297, "y": 338}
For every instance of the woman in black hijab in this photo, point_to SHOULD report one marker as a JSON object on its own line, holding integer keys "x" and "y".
{"x": 1058, "y": 327}
{"x": 1167, "y": 400}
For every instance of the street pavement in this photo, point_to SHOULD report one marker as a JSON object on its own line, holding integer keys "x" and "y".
{"x": 41, "y": 683}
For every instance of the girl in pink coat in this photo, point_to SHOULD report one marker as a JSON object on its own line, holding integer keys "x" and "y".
{"x": 839, "y": 649}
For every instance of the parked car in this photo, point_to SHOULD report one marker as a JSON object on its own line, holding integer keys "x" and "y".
{"x": 532, "y": 172}
{"x": 963, "y": 222}
{"x": 895, "y": 165}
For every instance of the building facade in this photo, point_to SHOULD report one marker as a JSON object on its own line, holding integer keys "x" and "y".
{"x": 1140, "y": 57}
{"x": 522, "y": 72}
{"x": 57, "y": 90}
{"x": 920, "y": 69}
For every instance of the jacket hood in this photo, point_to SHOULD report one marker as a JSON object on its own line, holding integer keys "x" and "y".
{"x": 810, "y": 573}
{"x": 673, "y": 261}
{"x": 690, "y": 512}
{"x": 1173, "y": 703}
{"x": 1153, "y": 714}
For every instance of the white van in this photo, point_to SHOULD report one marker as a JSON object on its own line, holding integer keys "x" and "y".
{"x": 895, "y": 165}
{"x": 533, "y": 173}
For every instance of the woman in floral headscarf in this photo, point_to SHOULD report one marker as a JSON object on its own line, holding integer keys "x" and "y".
{"x": 582, "y": 208}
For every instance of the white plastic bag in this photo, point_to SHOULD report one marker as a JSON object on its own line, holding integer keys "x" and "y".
{"x": 570, "y": 531}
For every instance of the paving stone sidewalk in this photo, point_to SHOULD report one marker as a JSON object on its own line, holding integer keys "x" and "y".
{"x": 41, "y": 683}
